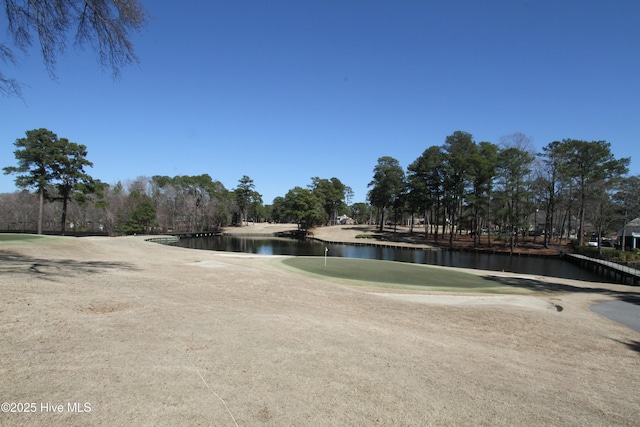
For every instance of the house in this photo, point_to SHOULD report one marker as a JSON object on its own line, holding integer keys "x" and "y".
{"x": 631, "y": 233}
{"x": 345, "y": 220}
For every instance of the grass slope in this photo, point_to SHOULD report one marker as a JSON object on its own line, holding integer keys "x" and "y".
{"x": 18, "y": 237}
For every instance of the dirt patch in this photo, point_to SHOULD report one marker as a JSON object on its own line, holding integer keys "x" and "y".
{"x": 105, "y": 307}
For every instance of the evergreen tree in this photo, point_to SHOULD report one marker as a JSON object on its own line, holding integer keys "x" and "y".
{"x": 388, "y": 185}
{"x": 43, "y": 161}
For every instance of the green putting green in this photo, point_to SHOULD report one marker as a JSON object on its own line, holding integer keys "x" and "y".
{"x": 10, "y": 237}
{"x": 391, "y": 273}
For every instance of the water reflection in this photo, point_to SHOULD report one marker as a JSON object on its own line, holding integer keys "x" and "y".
{"x": 553, "y": 267}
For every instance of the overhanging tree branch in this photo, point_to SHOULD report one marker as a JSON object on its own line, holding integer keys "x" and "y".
{"x": 105, "y": 25}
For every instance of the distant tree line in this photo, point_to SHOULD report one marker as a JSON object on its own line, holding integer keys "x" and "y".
{"x": 54, "y": 168}
{"x": 480, "y": 188}
{"x": 162, "y": 204}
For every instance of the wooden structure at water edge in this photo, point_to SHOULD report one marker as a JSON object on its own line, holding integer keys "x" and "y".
{"x": 165, "y": 240}
{"x": 615, "y": 273}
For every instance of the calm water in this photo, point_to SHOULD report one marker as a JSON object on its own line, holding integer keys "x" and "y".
{"x": 554, "y": 267}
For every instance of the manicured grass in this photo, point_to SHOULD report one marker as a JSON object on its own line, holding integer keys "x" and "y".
{"x": 391, "y": 273}
{"x": 17, "y": 237}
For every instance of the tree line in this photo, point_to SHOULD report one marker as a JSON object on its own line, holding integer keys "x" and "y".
{"x": 483, "y": 188}
{"x": 65, "y": 197}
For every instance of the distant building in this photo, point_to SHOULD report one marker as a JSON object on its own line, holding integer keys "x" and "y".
{"x": 345, "y": 220}
{"x": 631, "y": 233}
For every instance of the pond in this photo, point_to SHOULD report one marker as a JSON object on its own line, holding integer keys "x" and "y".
{"x": 554, "y": 267}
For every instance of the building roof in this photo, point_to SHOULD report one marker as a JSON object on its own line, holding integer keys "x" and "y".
{"x": 634, "y": 223}
{"x": 632, "y": 226}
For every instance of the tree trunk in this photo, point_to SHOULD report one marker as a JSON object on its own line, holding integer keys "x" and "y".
{"x": 581, "y": 225}
{"x": 451, "y": 228}
{"x": 63, "y": 221}
{"x": 437, "y": 217}
{"x": 547, "y": 227}
{"x": 476, "y": 226}
{"x": 567, "y": 220}
{"x": 488, "y": 220}
{"x": 41, "y": 210}
{"x": 426, "y": 224}
{"x": 562, "y": 227}
{"x": 511, "y": 238}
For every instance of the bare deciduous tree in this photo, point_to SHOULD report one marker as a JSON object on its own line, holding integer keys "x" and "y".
{"x": 104, "y": 25}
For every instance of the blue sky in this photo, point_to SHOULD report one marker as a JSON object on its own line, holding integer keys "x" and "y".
{"x": 283, "y": 91}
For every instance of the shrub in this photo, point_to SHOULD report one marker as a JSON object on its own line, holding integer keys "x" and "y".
{"x": 573, "y": 244}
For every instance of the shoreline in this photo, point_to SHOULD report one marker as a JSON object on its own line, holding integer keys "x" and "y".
{"x": 371, "y": 236}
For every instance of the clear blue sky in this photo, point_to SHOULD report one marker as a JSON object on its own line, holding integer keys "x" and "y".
{"x": 283, "y": 91}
